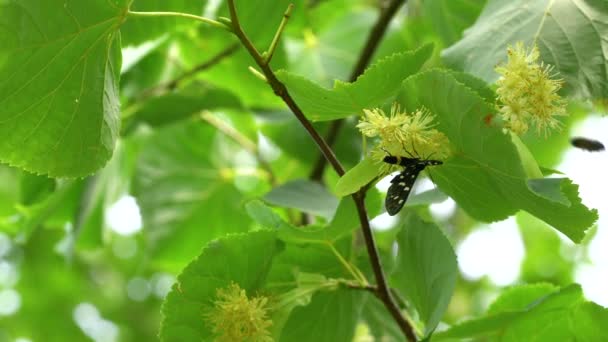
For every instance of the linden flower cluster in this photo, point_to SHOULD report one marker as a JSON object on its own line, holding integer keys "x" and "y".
{"x": 526, "y": 92}
{"x": 403, "y": 134}
{"x": 235, "y": 317}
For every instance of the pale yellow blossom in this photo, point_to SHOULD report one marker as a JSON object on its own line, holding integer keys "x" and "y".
{"x": 236, "y": 317}
{"x": 527, "y": 94}
{"x": 403, "y": 134}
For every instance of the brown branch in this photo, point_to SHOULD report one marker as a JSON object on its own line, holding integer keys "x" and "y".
{"x": 383, "y": 292}
{"x": 373, "y": 40}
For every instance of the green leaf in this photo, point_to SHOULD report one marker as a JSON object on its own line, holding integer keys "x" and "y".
{"x": 570, "y": 35}
{"x": 531, "y": 168}
{"x": 426, "y": 269}
{"x": 485, "y": 175}
{"x": 344, "y": 221}
{"x": 477, "y": 85}
{"x": 549, "y": 188}
{"x": 563, "y": 315}
{"x": 307, "y": 196}
{"x": 307, "y": 285}
{"x": 357, "y": 177}
{"x": 138, "y": 30}
{"x": 266, "y": 217}
{"x": 243, "y": 259}
{"x": 184, "y": 187}
{"x": 451, "y": 17}
{"x": 182, "y": 104}
{"x": 382, "y": 325}
{"x": 340, "y": 311}
{"x": 35, "y": 188}
{"x": 379, "y": 83}
{"x": 59, "y": 66}
{"x": 520, "y": 297}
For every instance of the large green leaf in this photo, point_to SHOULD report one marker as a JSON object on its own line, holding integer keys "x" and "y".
{"x": 562, "y": 315}
{"x": 340, "y": 311}
{"x": 243, "y": 259}
{"x": 485, "y": 175}
{"x": 451, "y": 17}
{"x": 307, "y": 196}
{"x": 379, "y": 83}
{"x": 571, "y": 35}
{"x": 59, "y": 70}
{"x": 184, "y": 186}
{"x": 426, "y": 269}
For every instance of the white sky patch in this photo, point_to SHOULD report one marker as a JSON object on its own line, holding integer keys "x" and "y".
{"x": 593, "y": 279}
{"x": 124, "y": 217}
{"x": 443, "y": 210}
{"x": 10, "y": 302}
{"x": 89, "y": 320}
{"x": 383, "y": 221}
{"x": 496, "y": 251}
{"x": 589, "y": 170}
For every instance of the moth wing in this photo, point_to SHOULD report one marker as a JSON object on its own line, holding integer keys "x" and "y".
{"x": 401, "y": 186}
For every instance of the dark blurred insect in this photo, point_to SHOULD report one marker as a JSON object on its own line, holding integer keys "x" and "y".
{"x": 401, "y": 185}
{"x": 587, "y": 144}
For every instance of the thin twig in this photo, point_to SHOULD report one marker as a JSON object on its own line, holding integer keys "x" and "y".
{"x": 373, "y": 40}
{"x": 383, "y": 291}
{"x": 166, "y": 87}
{"x": 275, "y": 40}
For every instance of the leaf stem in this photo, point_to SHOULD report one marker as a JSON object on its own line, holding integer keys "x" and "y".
{"x": 351, "y": 268}
{"x": 275, "y": 40}
{"x": 383, "y": 292}
{"x": 179, "y": 15}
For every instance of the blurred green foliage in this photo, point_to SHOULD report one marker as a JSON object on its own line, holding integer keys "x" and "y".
{"x": 219, "y": 170}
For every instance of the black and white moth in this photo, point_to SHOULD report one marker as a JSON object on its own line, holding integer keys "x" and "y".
{"x": 587, "y": 144}
{"x": 401, "y": 185}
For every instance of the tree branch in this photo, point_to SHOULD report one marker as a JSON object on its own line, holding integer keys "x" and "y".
{"x": 373, "y": 40}
{"x": 383, "y": 292}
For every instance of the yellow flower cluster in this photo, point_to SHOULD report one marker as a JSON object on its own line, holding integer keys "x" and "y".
{"x": 526, "y": 92}
{"x": 235, "y": 317}
{"x": 403, "y": 134}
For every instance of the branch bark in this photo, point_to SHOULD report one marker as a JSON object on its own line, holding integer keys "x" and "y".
{"x": 382, "y": 290}
{"x": 373, "y": 40}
